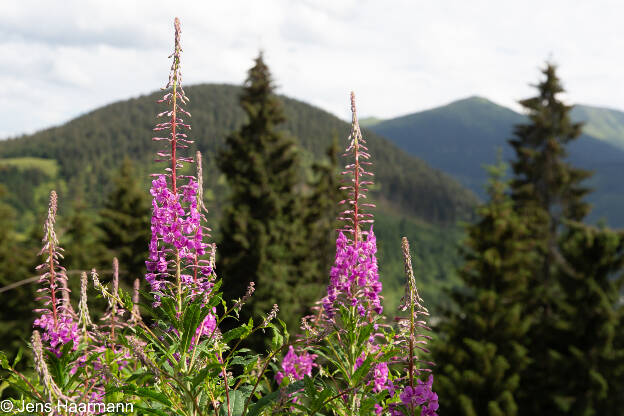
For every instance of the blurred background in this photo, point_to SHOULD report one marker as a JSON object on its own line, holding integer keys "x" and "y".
{"x": 440, "y": 89}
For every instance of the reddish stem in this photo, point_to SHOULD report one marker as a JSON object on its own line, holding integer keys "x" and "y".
{"x": 356, "y": 171}
{"x": 52, "y": 279}
{"x": 173, "y": 135}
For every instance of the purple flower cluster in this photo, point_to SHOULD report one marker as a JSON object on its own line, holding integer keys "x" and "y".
{"x": 380, "y": 377}
{"x": 296, "y": 366}
{"x": 65, "y": 331}
{"x": 209, "y": 326}
{"x": 176, "y": 224}
{"x": 420, "y": 395}
{"x": 354, "y": 278}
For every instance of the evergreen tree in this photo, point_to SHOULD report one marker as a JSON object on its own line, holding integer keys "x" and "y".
{"x": 480, "y": 350}
{"x": 321, "y": 219}
{"x": 548, "y": 193}
{"x": 545, "y": 186}
{"x": 16, "y": 304}
{"x": 587, "y": 356}
{"x": 615, "y": 375}
{"x": 81, "y": 239}
{"x": 125, "y": 222}
{"x": 261, "y": 229}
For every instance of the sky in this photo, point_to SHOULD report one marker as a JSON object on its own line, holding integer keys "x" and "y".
{"x": 398, "y": 56}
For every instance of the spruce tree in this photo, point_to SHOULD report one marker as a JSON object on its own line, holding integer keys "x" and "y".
{"x": 548, "y": 192}
{"x": 125, "y": 222}
{"x": 588, "y": 355}
{"x": 16, "y": 304}
{"x": 615, "y": 375}
{"x": 81, "y": 239}
{"x": 321, "y": 216}
{"x": 261, "y": 227}
{"x": 480, "y": 350}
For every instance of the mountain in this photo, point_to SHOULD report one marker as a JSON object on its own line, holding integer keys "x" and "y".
{"x": 78, "y": 157}
{"x": 88, "y": 148}
{"x": 463, "y": 136}
{"x": 369, "y": 121}
{"x": 601, "y": 123}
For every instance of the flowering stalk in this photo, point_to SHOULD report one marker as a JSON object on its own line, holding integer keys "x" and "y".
{"x": 84, "y": 319}
{"x": 57, "y": 322}
{"x": 354, "y": 173}
{"x": 113, "y": 312}
{"x": 354, "y": 278}
{"x": 177, "y": 234}
{"x": 50, "y": 386}
{"x": 415, "y": 394}
{"x": 136, "y": 312}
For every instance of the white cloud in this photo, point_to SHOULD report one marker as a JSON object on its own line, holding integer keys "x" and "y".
{"x": 399, "y": 56}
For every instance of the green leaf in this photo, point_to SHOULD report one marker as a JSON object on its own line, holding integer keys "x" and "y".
{"x": 257, "y": 407}
{"x": 193, "y": 316}
{"x": 18, "y": 357}
{"x": 148, "y": 393}
{"x": 310, "y": 388}
{"x": 235, "y": 333}
{"x": 365, "y": 333}
{"x": 243, "y": 360}
{"x": 362, "y": 371}
{"x": 237, "y": 404}
{"x": 151, "y": 411}
{"x": 4, "y": 362}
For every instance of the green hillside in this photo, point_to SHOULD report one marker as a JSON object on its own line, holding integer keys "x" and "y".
{"x": 89, "y": 147}
{"x": 461, "y": 137}
{"x": 456, "y": 138}
{"x": 602, "y": 123}
{"x": 413, "y": 198}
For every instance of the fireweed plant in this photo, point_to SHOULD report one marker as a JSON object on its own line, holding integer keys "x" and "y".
{"x": 346, "y": 361}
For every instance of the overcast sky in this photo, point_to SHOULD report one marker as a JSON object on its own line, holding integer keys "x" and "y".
{"x": 62, "y": 59}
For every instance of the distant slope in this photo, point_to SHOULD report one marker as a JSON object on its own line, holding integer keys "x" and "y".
{"x": 601, "y": 123}
{"x": 461, "y": 137}
{"x": 369, "y": 121}
{"x": 456, "y": 138}
{"x": 89, "y": 147}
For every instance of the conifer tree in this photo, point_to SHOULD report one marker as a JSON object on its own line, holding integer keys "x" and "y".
{"x": 615, "y": 375}
{"x": 545, "y": 186}
{"x": 16, "y": 304}
{"x": 81, "y": 238}
{"x": 320, "y": 216}
{"x": 125, "y": 222}
{"x": 261, "y": 227}
{"x": 588, "y": 356}
{"x": 480, "y": 350}
{"x": 548, "y": 192}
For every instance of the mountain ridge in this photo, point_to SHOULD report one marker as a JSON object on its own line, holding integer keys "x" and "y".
{"x": 461, "y": 137}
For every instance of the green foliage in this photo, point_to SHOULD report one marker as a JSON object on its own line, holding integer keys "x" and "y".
{"x": 481, "y": 351}
{"x": 320, "y": 213}
{"x": 16, "y": 305}
{"x": 82, "y": 240}
{"x": 589, "y": 358}
{"x": 125, "y": 223}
